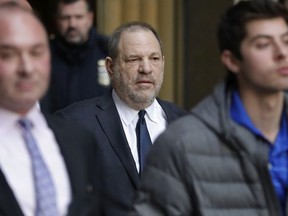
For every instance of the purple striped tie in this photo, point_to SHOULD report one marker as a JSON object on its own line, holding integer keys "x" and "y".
{"x": 44, "y": 188}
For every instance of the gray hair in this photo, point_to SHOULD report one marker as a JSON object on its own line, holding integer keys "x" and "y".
{"x": 134, "y": 26}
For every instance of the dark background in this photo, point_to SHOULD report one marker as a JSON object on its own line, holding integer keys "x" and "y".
{"x": 45, "y": 9}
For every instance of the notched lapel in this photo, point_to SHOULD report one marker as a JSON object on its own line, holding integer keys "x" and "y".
{"x": 8, "y": 202}
{"x": 172, "y": 112}
{"x": 63, "y": 139}
{"x": 110, "y": 122}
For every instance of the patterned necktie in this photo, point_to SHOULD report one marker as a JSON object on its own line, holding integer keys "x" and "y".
{"x": 44, "y": 188}
{"x": 143, "y": 139}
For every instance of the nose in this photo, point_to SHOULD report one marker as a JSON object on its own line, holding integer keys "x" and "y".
{"x": 72, "y": 22}
{"x": 145, "y": 66}
{"x": 25, "y": 64}
{"x": 281, "y": 51}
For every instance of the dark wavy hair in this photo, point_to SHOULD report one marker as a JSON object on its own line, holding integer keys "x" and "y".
{"x": 56, "y": 3}
{"x": 232, "y": 25}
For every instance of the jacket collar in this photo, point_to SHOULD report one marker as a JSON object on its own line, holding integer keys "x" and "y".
{"x": 75, "y": 53}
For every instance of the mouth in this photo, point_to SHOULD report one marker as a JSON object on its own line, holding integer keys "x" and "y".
{"x": 144, "y": 82}
{"x": 72, "y": 32}
{"x": 283, "y": 70}
{"x": 25, "y": 86}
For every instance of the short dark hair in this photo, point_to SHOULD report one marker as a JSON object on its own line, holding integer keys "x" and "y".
{"x": 232, "y": 26}
{"x": 133, "y": 26}
{"x": 57, "y": 2}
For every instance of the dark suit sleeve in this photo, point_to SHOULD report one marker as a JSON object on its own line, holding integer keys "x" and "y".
{"x": 77, "y": 146}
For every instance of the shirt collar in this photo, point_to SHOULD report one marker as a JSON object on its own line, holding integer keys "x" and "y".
{"x": 128, "y": 114}
{"x": 282, "y": 137}
{"x": 239, "y": 115}
{"x": 9, "y": 118}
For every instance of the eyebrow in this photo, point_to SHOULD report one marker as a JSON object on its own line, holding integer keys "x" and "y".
{"x": 137, "y": 55}
{"x": 260, "y": 36}
{"x": 156, "y": 53}
{"x": 8, "y": 46}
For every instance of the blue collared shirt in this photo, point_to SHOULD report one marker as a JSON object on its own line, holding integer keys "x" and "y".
{"x": 278, "y": 155}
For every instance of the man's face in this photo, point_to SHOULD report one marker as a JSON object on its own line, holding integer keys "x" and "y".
{"x": 138, "y": 70}
{"x": 74, "y": 22}
{"x": 264, "y": 67}
{"x": 24, "y": 61}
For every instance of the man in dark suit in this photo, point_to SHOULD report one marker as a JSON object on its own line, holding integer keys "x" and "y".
{"x": 43, "y": 161}
{"x": 136, "y": 67}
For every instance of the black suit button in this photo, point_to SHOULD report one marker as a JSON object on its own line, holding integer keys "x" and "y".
{"x": 89, "y": 188}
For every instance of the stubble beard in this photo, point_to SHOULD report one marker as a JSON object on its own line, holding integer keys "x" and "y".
{"x": 138, "y": 99}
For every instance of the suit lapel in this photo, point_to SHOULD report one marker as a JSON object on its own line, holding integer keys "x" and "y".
{"x": 171, "y": 116}
{"x": 110, "y": 122}
{"x": 67, "y": 152}
{"x": 8, "y": 202}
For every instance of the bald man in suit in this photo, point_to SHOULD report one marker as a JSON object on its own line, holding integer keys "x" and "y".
{"x": 66, "y": 152}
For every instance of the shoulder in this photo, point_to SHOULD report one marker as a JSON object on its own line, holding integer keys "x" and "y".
{"x": 63, "y": 128}
{"x": 175, "y": 133}
{"x": 183, "y": 146}
{"x": 86, "y": 111}
{"x": 182, "y": 127}
{"x": 74, "y": 142}
{"x": 80, "y": 107}
{"x": 186, "y": 134}
{"x": 71, "y": 137}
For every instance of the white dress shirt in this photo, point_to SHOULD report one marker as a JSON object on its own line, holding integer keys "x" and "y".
{"x": 15, "y": 160}
{"x": 155, "y": 118}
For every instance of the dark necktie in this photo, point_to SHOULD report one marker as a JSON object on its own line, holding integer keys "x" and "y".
{"x": 44, "y": 188}
{"x": 143, "y": 139}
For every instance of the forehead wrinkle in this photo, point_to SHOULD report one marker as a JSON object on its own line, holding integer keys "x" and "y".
{"x": 139, "y": 49}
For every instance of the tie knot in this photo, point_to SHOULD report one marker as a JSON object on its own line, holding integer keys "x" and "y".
{"x": 25, "y": 123}
{"x": 141, "y": 114}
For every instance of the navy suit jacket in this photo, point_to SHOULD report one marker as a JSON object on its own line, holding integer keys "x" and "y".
{"x": 116, "y": 173}
{"x": 76, "y": 146}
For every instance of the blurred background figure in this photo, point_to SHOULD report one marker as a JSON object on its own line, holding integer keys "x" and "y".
{"x": 78, "y": 54}
{"x": 284, "y": 2}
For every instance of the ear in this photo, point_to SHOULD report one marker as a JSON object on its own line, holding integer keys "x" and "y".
{"x": 109, "y": 66}
{"x": 230, "y": 61}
